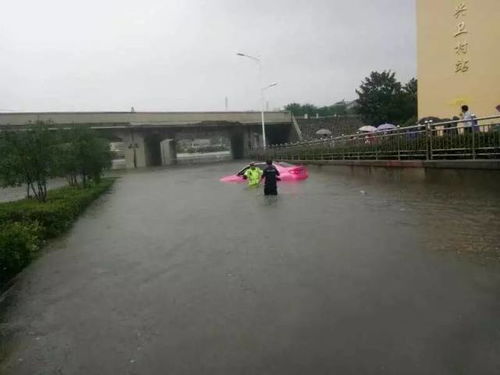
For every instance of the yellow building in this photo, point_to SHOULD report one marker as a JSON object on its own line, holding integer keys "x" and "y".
{"x": 458, "y": 57}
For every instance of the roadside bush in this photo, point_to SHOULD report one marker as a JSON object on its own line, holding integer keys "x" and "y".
{"x": 26, "y": 224}
{"x": 19, "y": 243}
{"x": 59, "y": 211}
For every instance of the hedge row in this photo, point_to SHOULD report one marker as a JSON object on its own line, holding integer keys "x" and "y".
{"x": 26, "y": 224}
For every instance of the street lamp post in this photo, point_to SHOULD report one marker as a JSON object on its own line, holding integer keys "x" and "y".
{"x": 262, "y": 100}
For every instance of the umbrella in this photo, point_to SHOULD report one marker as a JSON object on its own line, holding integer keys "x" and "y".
{"x": 323, "y": 132}
{"x": 386, "y": 127}
{"x": 367, "y": 128}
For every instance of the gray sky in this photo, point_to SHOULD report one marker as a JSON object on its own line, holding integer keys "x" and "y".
{"x": 175, "y": 55}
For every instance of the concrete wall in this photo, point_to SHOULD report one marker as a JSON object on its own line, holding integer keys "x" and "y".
{"x": 442, "y": 87}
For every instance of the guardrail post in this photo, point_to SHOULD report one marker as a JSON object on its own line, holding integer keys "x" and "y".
{"x": 428, "y": 140}
{"x": 473, "y": 142}
{"x": 399, "y": 147}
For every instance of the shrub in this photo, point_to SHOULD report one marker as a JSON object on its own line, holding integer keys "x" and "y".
{"x": 26, "y": 224}
{"x": 84, "y": 154}
{"x": 59, "y": 211}
{"x": 19, "y": 243}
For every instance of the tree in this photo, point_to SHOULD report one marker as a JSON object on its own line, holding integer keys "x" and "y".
{"x": 337, "y": 109}
{"x": 410, "y": 100}
{"x": 294, "y": 108}
{"x": 380, "y": 98}
{"x": 28, "y": 157}
{"x": 83, "y": 154}
{"x": 34, "y": 156}
{"x": 302, "y": 109}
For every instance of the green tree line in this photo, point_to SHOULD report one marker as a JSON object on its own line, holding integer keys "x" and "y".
{"x": 31, "y": 157}
{"x": 381, "y": 99}
{"x": 338, "y": 109}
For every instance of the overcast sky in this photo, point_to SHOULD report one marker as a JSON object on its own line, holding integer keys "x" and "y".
{"x": 176, "y": 55}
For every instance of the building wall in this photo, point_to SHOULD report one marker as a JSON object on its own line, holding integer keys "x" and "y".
{"x": 443, "y": 87}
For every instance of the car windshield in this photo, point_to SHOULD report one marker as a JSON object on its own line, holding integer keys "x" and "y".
{"x": 285, "y": 164}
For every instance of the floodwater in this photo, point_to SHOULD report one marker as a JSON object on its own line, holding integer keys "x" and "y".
{"x": 354, "y": 271}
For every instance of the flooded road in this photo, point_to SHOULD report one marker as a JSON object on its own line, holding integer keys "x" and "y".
{"x": 354, "y": 271}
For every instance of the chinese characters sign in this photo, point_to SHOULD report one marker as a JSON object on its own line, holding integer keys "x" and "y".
{"x": 462, "y": 63}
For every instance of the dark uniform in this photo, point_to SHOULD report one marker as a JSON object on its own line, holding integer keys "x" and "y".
{"x": 271, "y": 177}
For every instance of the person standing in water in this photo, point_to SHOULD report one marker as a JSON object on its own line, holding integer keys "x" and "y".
{"x": 253, "y": 175}
{"x": 271, "y": 176}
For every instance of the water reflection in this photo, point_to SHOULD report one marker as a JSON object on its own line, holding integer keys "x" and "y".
{"x": 452, "y": 210}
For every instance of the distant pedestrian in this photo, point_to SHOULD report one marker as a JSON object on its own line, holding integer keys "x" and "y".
{"x": 469, "y": 123}
{"x": 497, "y": 126}
{"x": 271, "y": 176}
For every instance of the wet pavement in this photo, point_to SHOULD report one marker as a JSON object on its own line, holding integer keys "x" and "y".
{"x": 355, "y": 271}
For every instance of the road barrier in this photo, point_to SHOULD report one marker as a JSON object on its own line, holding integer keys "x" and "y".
{"x": 452, "y": 140}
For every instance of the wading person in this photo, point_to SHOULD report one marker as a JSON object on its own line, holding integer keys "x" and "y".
{"x": 253, "y": 175}
{"x": 271, "y": 176}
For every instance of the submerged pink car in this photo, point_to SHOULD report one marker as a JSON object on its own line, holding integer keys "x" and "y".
{"x": 288, "y": 172}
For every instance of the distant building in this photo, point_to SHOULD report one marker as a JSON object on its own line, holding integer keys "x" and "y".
{"x": 458, "y": 57}
{"x": 348, "y": 104}
{"x": 351, "y": 105}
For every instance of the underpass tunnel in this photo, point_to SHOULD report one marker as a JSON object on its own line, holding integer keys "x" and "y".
{"x": 152, "y": 145}
{"x": 278, "y": 134}
{"x": 159, "y": 149}
{"x": 118, "y": 146}
{"x": 238, "y": 144}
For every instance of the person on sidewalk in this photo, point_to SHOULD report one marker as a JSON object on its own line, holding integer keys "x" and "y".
{"x": 253, "y": 175}
{"x": 271, "y": 177}
{"x": 470, "y": 123}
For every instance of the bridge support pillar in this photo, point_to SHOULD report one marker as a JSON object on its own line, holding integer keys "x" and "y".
{"x": 239, "y": 143}
{"x": 135, "y": 150}
{"x": 168, "y": 152}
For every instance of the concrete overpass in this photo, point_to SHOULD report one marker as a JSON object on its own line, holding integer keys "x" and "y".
{"x": 150, "y": 137}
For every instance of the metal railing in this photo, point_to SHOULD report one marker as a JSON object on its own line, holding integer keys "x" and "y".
{"x": 457, "y": 140}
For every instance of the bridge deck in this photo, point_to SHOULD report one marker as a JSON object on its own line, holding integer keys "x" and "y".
{"x": 146, "y": 119}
